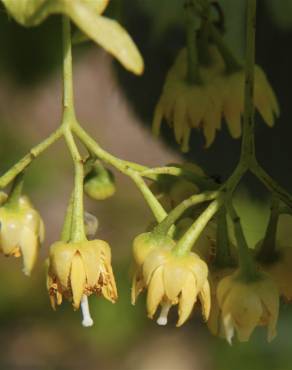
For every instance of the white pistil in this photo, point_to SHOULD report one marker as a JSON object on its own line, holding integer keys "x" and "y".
{"x": 87, "y": 319}
{"x": 162, "y": 319}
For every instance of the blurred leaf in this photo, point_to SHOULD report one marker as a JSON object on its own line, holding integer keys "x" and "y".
{"x": 105, "y": 32}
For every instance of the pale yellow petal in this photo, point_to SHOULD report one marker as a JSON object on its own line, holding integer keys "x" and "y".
{"x": 90, "y": 253}
{"x": 29, "y": 246}
{"x": 77, "y": 279}
{"x": 179, "y": 119}
{"x": 174, "y": 277}
{"x": 187, "y": 299}
{"x": 155, "y": 292}
{"x": 61, "y": 256}
{"x": 205, "y": 299}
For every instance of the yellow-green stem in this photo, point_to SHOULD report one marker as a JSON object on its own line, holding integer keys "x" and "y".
{"x": 124, "y": 167}
{"x": 246, "y": 263}
{"x": 12, "y": 201}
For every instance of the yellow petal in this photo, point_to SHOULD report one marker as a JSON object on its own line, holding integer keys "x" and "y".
{"x": 29, "y": 247}
{"x": 187, "y": 299}
{"x": 155, "y": 292}
{"x": 205, "y": 299}
{"x": 152, "y": 262}
{"x": 232, "y": 117}
{"x": 98, "y": 5}
{"x": 108, "y": 34}
{"x": 77, "y": 279}
{"x": 90, "y": 253}
{"x": 137, "y": 285}
{"x": 61, "y": 256}
{"x": 179, "y": 118}
{"x": 174, "y": 277}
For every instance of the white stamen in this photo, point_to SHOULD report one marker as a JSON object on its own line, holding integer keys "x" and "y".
{"x": 162, "y": 319}
{"x": 87, "y": 319}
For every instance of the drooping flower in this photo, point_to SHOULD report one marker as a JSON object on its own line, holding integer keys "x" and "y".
{"x": 175, "y": 280}
{"x": 21, "y": 232}
{"x": 247, "y": 304}
{"x": 77, "y": 270}
{"x": 185, "y": 106}
{"x": 203, "y": 105}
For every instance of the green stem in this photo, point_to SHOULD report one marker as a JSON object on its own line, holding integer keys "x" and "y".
{"x": 67, "y": 65}
{"x": 124, "y": 167}
{"x": 28, "y": 158}
{"x": 193, "y": 72}
{"x": 15, "y": 192}
{"x": 77, "y": 228}
{"x": 187, "y": 241}
{"x": 223, "y": 256}
{"x": 231, "y": 63}
{"x": 67, "y": 226}
{"x": 271, "y": 184}
{"x": 267, "y": 251}
{"x": 175, "y": 214}
{"x": 246, "y": 263}
{"x": 248, "y": 146}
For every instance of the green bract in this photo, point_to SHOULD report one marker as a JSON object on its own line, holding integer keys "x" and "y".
{"x": 86, "y": 14}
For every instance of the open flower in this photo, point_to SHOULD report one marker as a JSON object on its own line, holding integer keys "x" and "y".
{"x": 86, "y": 14}
{"x": 21, "y": 232}
{"x": 245, "y": 305}
{"x": 175, "y": 280}
{"x": 186, "y": 106}
{"x": 77, "y": 270}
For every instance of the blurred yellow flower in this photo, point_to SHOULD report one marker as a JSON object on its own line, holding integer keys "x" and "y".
{"x": 21, "y": 232}
{"x": 245, "y": 305}
{"x": 203, "y": 105}
{"x": 175, "y": 280}
{"x": 186, "y": 106}
{"x": 76, "y": 270}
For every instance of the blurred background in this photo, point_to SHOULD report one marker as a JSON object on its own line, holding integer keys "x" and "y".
{"x": 116, "y": 108}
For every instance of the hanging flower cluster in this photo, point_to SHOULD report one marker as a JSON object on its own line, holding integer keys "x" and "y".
{"x": 189, "y": 257}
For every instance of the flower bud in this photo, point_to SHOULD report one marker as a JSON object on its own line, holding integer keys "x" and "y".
{"x": 99, "y": 183}
{"x": 21, "y": 232}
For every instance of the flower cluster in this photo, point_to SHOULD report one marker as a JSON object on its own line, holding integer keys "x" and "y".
{"x": 219, "y": 95}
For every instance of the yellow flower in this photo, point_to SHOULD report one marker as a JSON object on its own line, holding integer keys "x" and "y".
{"x": 245, "y": 305}
{"x": 86, "y": 14}
{"x": 203, "y": 105}
{"x": 281, "y": 272}
{"x": 175, "y": 280}
{"x": 76, "y": 270}
{"x": 186, "y": 106}
{"x": 265, "y": 99}
{"x": 21, "y": 232}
